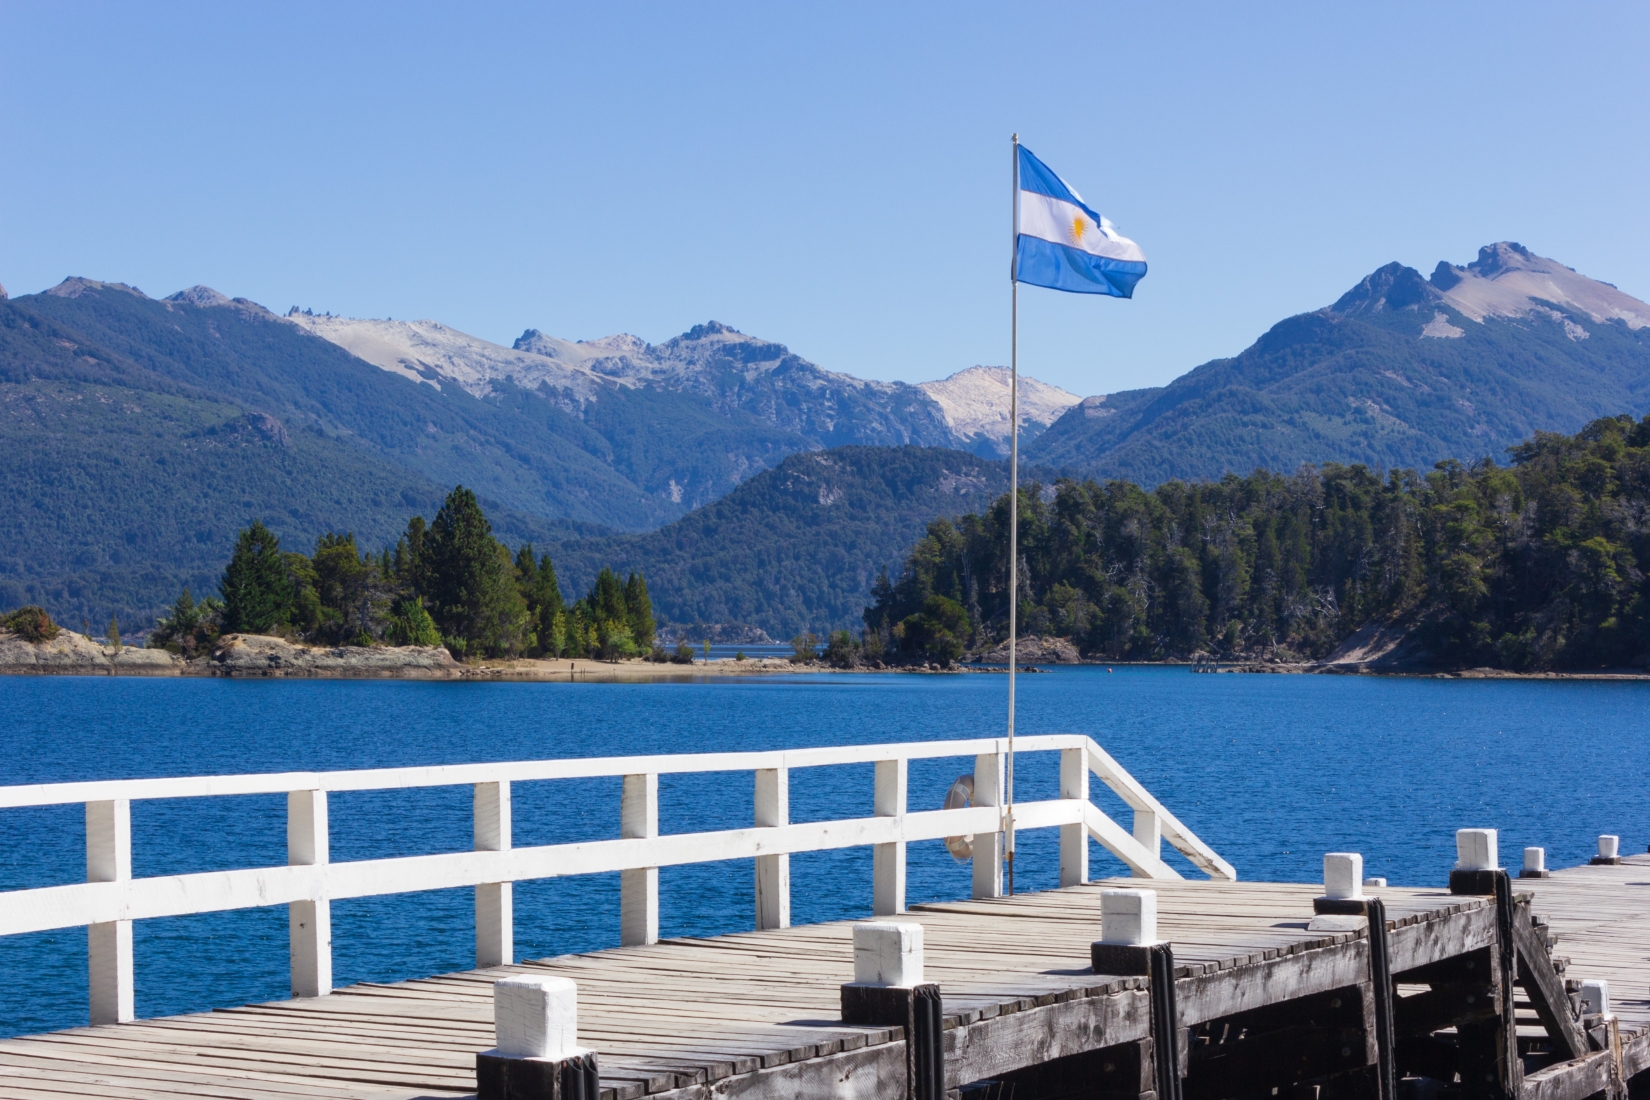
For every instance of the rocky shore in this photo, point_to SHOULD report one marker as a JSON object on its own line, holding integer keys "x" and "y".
{"x": 259, "y": 655}
{"x": 235, "y": 655}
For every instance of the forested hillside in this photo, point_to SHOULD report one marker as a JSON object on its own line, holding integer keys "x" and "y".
{"x": 120, "y": 486}
{"x": 1535, "y": 565}
{"x": 527, "y": 454}
{"x": 795, "y": 548}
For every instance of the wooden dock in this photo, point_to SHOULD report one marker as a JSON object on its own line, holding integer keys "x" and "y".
{"x": 1266, "y": 1007}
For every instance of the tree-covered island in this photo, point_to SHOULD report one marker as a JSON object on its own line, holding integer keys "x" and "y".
{"x": 448, "y": 582}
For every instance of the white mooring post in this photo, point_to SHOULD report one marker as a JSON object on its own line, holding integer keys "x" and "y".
{"x": 1342, "y": 904}
{"x": 1128, "y": 917}
{"x": 536, "y": 1017}
{"x": 1475, "y": 850}
{"x": 109, "y": 945}
{"x": 1074, "y": 838}
{"x": 988, "y": 847}
{"x": 309, "y": 922}
{"x": 1609, "y": 849}
{"x": 888, "y": 953}
{"x": 537, "y": 1054}
{"x": 1128, "y": 932}
{"x": 1343, "y": 876}
{"x": 888, "y": 860}
{"x": 639, "y": 886}
{"x": 495, "y": 901}
{"x": 773, "y": 873}
{"x": 1535, "y": 863}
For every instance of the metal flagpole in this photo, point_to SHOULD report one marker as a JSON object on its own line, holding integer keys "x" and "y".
{"x": 1013, "y": 505}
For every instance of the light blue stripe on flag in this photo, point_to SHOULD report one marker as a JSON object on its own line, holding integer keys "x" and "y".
{"x": 1060, "y": 267}
{"x": 1040, "y": 178}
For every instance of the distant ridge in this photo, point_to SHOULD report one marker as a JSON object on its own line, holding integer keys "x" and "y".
{"x": 1401, "y": 371}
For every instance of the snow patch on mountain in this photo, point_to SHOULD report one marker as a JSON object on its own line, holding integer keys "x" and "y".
{"x": 436, "y": 354}
{"x": 976, "y": 403}
{"x": 737, "y": 373}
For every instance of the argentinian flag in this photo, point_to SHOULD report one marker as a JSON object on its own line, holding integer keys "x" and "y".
{"x": 1063, "y": 244}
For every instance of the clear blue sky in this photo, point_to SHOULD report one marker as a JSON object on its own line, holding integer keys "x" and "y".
{"x": 834, "y": 177}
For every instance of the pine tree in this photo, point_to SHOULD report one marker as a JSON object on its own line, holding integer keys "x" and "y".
{"x": 611, "y": 617}
{"x": 256, "y": 585}
{"x": 468, "y": 578}
{"x": 544, "y": 601}
{"x": 639, "y": 611}
{"x": 343, "y": 581}
{"x": 114, "y": 632}
{"x": 410, "y": 624}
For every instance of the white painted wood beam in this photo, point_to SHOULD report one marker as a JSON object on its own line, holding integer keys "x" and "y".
{"x": 1074, "y": 838}
{"x": 988, "y": 842}
{"x": 309, "y": 920}
{"x": 888, "y": 860}
{"x": 109, "y": 943}
{"x": 639, "y": 886}
{"x": 773, "y": 872}
{"x": 51, "y": 794}
{"x": 214, "y": 891}
{"x": 495, "y": 901}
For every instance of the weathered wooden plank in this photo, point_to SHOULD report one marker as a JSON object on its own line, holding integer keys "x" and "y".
{"x": 875, "y": 1073}
{"x": 1545, "y": 990}
{"x": 996, "y": 1046}
{"x": 1246, "y": 988}
{"x": 1572, "y": 1080}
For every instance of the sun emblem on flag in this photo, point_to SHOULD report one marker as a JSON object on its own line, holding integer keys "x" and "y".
{"x": 1079, "y": 226}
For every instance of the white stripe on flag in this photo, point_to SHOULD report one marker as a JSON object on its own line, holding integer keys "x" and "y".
{"x": 1055, "y": 220}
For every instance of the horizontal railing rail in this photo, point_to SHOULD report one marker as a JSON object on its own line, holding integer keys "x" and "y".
{"x": 111, "y": 899}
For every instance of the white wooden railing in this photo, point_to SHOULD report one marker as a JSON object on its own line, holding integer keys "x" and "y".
{"x": 111, "y": 899}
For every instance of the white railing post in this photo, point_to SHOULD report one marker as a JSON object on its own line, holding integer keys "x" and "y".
{"x": 495, "y": 901}
{"x": 309, "y": 922}
{"x": 639, "y": 887}
{"x": 888, "y": 860}
{"x": 109, "y": 944}
{"x": 1074, "y": 838}
{"x": 1148, "y": 830}
{"x": 988, "y": 847}
{"x": 773, "y": 873}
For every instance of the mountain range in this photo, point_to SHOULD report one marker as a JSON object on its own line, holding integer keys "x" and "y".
{"x": 137, "y": 435}
{"x": 1401, "y": 371}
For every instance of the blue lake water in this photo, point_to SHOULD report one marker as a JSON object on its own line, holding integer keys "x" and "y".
{"x": 1272, "y": 771}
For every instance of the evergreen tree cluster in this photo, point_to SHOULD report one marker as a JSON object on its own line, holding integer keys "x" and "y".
{"x": 446, "y": 582}
{"x": 1536, "y": 565}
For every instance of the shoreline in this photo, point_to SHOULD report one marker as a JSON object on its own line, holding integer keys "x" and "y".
{"x": 264, "y": 657}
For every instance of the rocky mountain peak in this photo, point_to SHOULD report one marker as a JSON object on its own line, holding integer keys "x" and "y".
{"x": 976, "y": 404}
{"x": 74, "y": 286}
{"x": 621, "y": 344}
{"x": 1391, "y": 287}
{"x": 709, "y": 328}
{"x": 200, "y": 296}
{"x": 1508, "y": 280}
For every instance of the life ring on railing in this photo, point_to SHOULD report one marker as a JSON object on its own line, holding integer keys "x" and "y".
{"x": 960, "y": 797}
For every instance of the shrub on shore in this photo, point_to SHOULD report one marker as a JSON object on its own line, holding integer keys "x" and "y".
{"x": 31, "y": 623}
